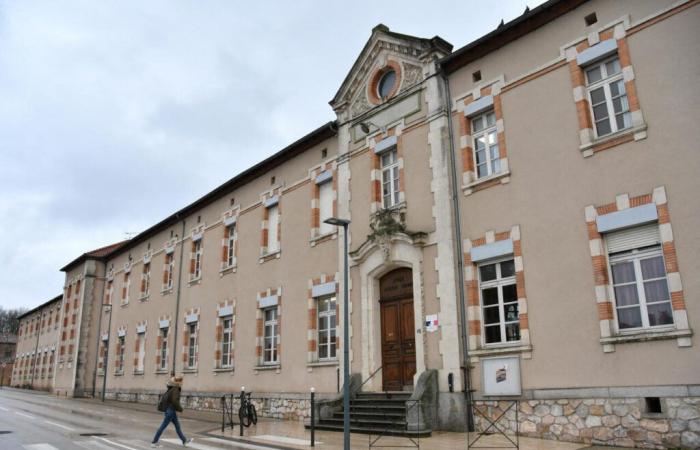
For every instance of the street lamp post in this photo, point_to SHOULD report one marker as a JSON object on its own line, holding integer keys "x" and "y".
{"x": 346, "y": 334}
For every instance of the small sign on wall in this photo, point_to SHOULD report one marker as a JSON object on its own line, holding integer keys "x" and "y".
{"x": 501, "y": 376}
{"x": 431, "y": 323}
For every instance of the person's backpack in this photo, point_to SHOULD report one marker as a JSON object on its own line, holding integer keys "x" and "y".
{"x": 163, "y": 401}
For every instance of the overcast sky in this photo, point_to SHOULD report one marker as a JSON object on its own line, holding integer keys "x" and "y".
{"x": 114, "y": 115}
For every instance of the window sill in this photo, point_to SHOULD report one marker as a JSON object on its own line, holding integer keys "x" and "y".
{"x": 190, "y": 370}
{"x": 612, "y": 140}
{"x": 646, "y": 335}
{"x": 123, "y": 304}
{"x": 332, "y": 362}
{"x": 265, "y": 257}
{"x": 483, "y": 183}
{"x": 118, "y": 374}
{"x": 223, "y": 369}
{"x": 314, "y": 241}
{"x": 268, "y": 367}
{"x": 195, "y": 281}
{"x": 228, "y": 269}
{"x": 526, "y": 350}
{"x": 139, "y": 372}
{"x": 166, "y": 291}
{"x": 144, "y": 298}
{"x": 161, "y": 372}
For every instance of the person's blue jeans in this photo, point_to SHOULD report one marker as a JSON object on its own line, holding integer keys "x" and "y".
{"x": 170, "y": 416}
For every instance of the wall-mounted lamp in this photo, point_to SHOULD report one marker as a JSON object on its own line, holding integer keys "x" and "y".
{"x": 365, "y": 127}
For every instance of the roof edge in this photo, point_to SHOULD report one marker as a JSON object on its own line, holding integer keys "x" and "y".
{"x": 37, "y": 308}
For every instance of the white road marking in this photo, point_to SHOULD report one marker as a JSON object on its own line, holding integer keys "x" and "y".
{"x": 39, "y": 447}
{"x": 285, "y": 439}
{"x": 191, "y": 445}
{"x": 28, "y": 416}
{"x": 59, "y": 425}
{"x": 116, "y": 443}
{"x": 236, "y": 444}
{"x": 3, "y": 409}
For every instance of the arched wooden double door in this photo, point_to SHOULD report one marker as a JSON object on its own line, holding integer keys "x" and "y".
{"x": 398, "y": 335}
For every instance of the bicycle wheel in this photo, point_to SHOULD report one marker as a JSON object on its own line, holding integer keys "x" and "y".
{"x": 253, "y": 414}
{"x": 243, "y": 416}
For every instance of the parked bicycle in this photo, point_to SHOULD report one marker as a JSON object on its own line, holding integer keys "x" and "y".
{"x": 247, "y": 413}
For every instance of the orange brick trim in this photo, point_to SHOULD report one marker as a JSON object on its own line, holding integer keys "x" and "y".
{"x": 601, "y": 269}
{"x": 219, "y": 333}
{"x": 377, "y": 75}
{"x": 264, "y": 236}
{"x": 186, "y": 339}
{"x": 259, "y": 329}
{"x": 312, "y": 327}
{"x": 316, "y": 197}
{"x": 472, "y": 287}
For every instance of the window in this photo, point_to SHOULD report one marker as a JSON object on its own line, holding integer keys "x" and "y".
{"x": 197, "y": 250}
{"x": 326, "y": 327}
{"x": 590, "y": 19}
{"x": 125, "y": 288}
{"x": 226, "y": 340}
{"x": 486, "y": 152}
{"x": 163, "y": 350}
{"x": 141, "y": 355}
{"x": 270, "y": 338}
{"x": 169, "y": 269}
{"x": 273, "y": 243}
{"x": 120, "y": 354}
{"x": 607, "y": 97}
{"x": 325, "y": 199}
{"x": 390, "y": 178}
{"x": 642, "y": 298}
{"x": 192, "y": 345}
{"x": 499, "y": 302}
{"x": 386, "y": 84}
{"x": 476, "y": 76}
{"x": 108, "y": 294}
{"x": 230, "y": 251}
{"x": 146, "y": 280}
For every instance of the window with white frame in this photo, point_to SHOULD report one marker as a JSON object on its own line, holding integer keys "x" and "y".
{"x": 499, "y": 302}
{"x": 640, "y": 286}
{"x": 326, "y": 312}
{"x": 169, "y": 270}
{"x": 607, "y": 97}
{"x": 197, "y": 259}
{"x": 486, "y": 152}
{"x": 163, "y": 350}
{"x": 270, "y": 337}
{"x": 273, "y": 219}
{"x": 141, "y": 356}
{"x": 146, "y": 281}
{"x": 231, "y": 242}
{"x": 120, "y": 354}
{"x": 226, "y": 341}
{"x": 325, "y": 206}
{"x": 125, "y": 288}
{"x": 390, "y": 178}
{"x": 192, "y": 345}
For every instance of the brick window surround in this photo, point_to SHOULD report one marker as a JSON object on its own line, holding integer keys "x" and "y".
{"x": 163, "y": 324}
{"x": 260, "y": 327}
{"x": 222, "y": 312}
{"x": 477, "y": 348}
{"x": 229, "y": 219}
{"x": 329, "y": 167}
{"x": 376, "y": 171}
{"x": 589, "y": 145}
{"x": 609, "y": 336}
{"x": 196, "y": 249}
{"x": 470, "y": 182}
{"x": 312, "y": 327}
{"x": 186, "y": 340}
{"x": 270, "y": 199}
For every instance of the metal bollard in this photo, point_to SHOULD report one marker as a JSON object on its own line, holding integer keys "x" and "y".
{"x": 240, "y": 422}
{"x": 313, "y": 414}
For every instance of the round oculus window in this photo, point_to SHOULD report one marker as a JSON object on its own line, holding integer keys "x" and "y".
{"x": 386, "y": 84}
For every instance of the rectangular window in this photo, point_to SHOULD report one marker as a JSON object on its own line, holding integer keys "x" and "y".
{"x": 325, "y": 206}
{"x": 607, "y": 97}
{"x": 390, "y": 178}
{"x": 226, "y": 341}
{"x": 642, "y": 298}
{"x": 486, "y": 152}
{"x": 270, "y": 338}
{"x": 169, "y": 270}
{"x": 141, "y": 356}
{"x": 163, "y": 349}
{"x": 499, "y": 302}
{"x": 120, "y": 354}
{"x": 230, "y": 252}
{"x": 197, "y": 249}
{"x": 326, "y": 327}
{"x": 192, "y": 346}
{"x": 273, "y": 243}
{"x": 125, "y": 288}
{"x": 146, "y": 280}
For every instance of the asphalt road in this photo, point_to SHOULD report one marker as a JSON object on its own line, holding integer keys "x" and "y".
{"x": 37, "y": 421}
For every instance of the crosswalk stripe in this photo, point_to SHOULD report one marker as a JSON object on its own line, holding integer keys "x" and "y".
{"x": 59, "y": 425}
{"x": 28, "y": 416}
{"x": 191, "y": 444}
{"x": 39, "y": 447}
{"x": 115, "y": 443}
{"x": 236, "y": 444}
{"x": 3, "y": 409}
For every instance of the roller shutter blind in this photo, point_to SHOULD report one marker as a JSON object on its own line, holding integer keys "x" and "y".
{"x": 631, "y": 238}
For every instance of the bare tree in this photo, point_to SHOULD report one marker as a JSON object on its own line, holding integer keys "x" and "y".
{"x": 9, "y": 320}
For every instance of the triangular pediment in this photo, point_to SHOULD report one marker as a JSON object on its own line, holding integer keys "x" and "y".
{"x": 408, "y": 54}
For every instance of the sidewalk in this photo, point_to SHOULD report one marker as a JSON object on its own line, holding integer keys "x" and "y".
{"x": 292, "y": 435}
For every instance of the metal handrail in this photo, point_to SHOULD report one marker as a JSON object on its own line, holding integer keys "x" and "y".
{"x": 370, "y": 377}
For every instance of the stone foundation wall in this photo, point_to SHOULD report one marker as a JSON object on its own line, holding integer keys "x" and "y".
{"x": 287, "y": 406}
{"x": 621, "y": 422}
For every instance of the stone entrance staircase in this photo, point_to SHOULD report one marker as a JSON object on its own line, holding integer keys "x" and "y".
{"x": 376, "y": 413}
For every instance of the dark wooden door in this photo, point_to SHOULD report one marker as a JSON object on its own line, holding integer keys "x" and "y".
{"x": 398, "y": 336}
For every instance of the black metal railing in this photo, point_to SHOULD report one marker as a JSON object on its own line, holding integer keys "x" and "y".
{"x": 227, "y": 414}
{"x": 370, "y": 377}
{"x": 481, "y": 412}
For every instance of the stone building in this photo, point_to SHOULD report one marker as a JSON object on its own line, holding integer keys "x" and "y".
{"x": 524, "y": 225}
{"x": 8, "y": 345}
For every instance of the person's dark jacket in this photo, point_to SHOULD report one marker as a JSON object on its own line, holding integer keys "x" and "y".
{"x": 173, "y": 399}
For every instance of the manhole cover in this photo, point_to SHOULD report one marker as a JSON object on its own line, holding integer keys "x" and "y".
{"x": 93, "y": 434}
{"x": 5, "y": 432}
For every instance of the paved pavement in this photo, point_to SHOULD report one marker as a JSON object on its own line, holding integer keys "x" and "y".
{"x": 38, "y": 421}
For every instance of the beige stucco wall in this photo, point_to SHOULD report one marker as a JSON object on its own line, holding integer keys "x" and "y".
{"x": 37, "y": 343}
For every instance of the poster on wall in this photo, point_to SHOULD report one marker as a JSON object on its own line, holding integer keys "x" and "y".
{"x": 501, "y": 376}
{"x": 431, "y": 323}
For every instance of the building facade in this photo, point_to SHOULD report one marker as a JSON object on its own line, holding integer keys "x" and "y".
{"x": 8, "y": 346}
{"x": 524, "y": 223}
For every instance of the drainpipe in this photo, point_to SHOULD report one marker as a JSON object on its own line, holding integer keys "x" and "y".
{"x": 459, "y": 255}
{"x": 177, "y": 301}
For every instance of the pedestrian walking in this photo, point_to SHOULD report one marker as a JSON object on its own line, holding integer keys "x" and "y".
{"x": 169, "y": 403}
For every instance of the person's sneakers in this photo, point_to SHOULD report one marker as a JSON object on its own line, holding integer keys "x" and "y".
{"x": 155, "y": 445}
{"x": 187, "y": 442}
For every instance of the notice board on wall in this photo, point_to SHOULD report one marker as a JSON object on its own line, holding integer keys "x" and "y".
{"x": 501, "y": 376}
